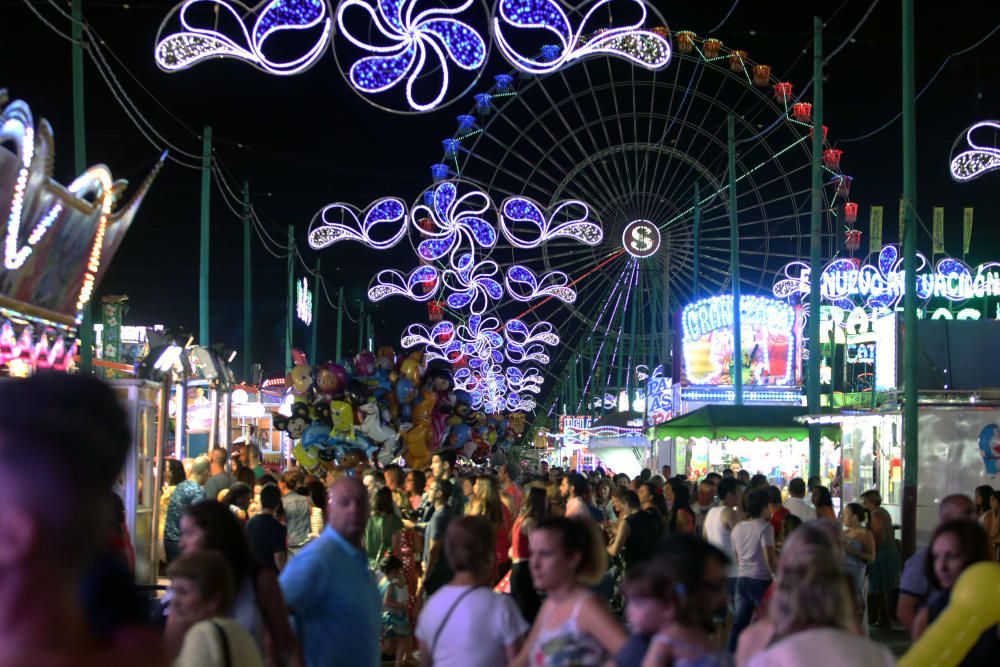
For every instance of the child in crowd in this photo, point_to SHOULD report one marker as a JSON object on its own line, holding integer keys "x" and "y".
{"x": 661, "y": 616}
{"x": 397, "y": 632}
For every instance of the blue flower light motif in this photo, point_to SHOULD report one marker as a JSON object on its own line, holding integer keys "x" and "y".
{"x": 411, "y": 44}
{"x": 457, "y": 222}
{"x": 438, "y": 337}
{"x": 384, "y": 212}
{"x": 646, "y": 48}
{"x": 528, "y": 344}
{"x": 390, "y": 282}
{"x": 888, "y": 281}
{"x": 481, "y": 340}
{"x": 196, "y": 43}
{"x": 472, "y": 285}
{"x": 553, "y": 284}
{"x": 524, "y": 210}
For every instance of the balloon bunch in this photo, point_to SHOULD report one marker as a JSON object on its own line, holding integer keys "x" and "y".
{"x": 385, "y": 407}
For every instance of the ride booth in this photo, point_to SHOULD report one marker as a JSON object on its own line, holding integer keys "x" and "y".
{"x": 703, "y": 429}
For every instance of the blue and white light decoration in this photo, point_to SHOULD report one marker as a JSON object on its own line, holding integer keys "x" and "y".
{"x": 978, "y": 159}
{"x": 569, "y": 219}
{"x": 592, "y": 36}
{"x": 455, "y": 230}
{"x": 403, "y": 44}
{"x": 880, "y": 286}
{"x": 343, "y": 222}
{"x": 199, "y": 40}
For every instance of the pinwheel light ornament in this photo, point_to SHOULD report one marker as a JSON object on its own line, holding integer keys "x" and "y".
{"x": 591, "y": 37}
{"x": 456, "y": 222}
{"x": 472, "y": 285}
{"x": 201, "y": 38}
{"x": 410, "y": 41}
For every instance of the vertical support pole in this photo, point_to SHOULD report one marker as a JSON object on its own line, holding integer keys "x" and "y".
{"x": 247, "y": 285}
{"x": 361, "y": 328}
{"x": 632, "y": 362}
{"x": 180, "y": 413}
{"x": 340, "y": 324}
{"x": 910, "y": 412}
{"x": 815, "y": 249}
{"x": 290, "y": 305}
{"x": 314, "y": 334}
{"x": 80, "y": 166}
{"x": 226, "y": 421}
{"x": 734, "y": 258}
{"x": 696, "y": 278}
{"x": 204, "y": 335}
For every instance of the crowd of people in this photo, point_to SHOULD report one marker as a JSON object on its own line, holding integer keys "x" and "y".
{"x": 449, "y": 565}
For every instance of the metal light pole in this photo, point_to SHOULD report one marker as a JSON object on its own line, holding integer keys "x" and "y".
{"x": 910, "y": 413}
{"x": 290, "y": 305}
{"x": 734, "y": 256}
{"x": 247, "y": 284}
{"x": 315, "y": 317}
{"x": 340, "y": 324}
{"x": 204, "y": 337}
{"x": 815, "y": 249}
{"x": 80, "y": 166}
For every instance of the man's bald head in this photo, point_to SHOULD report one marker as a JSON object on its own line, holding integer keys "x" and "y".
{"x": 349, "y": 509}
{"x": 956, "y": 506}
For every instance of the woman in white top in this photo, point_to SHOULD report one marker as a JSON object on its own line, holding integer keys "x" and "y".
{"x": 465, "y": 622}
{"x": 756, "y": 560}
{"x": 812, "y": 612}
{"x": 573, "y": 627}
{"x": 198, "y": 633}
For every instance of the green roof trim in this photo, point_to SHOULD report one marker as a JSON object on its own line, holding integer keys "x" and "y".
{"x": 732, "y": 422}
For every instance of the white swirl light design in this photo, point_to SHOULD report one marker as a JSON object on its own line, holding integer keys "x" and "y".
{"x": 481, "y": 339}
{"x": 523, "y": 285}
{"x": 390, "y": 282}
{"x": 385, "y": 212}
{"x": 978, "y": 160}
{"x": 196, "y": 43}
{"x": 525, "y": 344}
{"x": 457, "y": 222}
{"x": 630, "y": 41}
{"x": 411, "y": 44}
{"x": 523, "y": 210}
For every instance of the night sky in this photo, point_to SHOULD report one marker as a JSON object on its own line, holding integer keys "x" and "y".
{"x": 307, "y": 140}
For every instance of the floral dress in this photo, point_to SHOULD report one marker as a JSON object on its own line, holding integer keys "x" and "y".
{"x": 407, "y": 550}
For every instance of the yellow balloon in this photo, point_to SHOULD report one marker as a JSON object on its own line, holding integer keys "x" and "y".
{"x": 974, "y": 607}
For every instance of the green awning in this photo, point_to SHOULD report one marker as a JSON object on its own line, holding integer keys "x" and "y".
{"x": 732, "y": 422}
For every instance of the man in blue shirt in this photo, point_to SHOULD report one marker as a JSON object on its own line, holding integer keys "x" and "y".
{"x": 330, "y": 591}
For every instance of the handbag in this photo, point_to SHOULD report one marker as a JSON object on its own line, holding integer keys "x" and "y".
{"x": 225, "y": 643}
{"x": 444, "y": 622}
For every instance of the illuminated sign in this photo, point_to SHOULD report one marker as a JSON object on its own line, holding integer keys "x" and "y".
{"x": 304, "y": 301}
{"x": 571, "y": 427}
{"x": 767, "y": 340}
{"x": 641, "y": 239}
{"x": 660, "y": 400}
{"x": 881, "y": 285}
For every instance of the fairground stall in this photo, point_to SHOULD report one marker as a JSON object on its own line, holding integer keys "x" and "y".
{"x": 699, "y": 399}
{"x": 58, "y": 244}
{"x": 763, "y": 439}
{"x": 958, "y": 374}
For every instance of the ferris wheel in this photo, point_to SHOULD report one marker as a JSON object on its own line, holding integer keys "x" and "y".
{"x": 646, "y": 151}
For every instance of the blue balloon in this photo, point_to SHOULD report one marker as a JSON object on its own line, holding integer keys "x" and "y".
{"x": 460, "y": 434}
{"x": 316, "y": 435}
{"x": 462, "y": 396}
{"x": 404, "y": 390}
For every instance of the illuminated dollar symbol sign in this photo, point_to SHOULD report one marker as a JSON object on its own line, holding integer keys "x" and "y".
{"x": 642, "y": 239}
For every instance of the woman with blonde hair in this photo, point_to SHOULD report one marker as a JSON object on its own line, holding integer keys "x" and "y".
{"x": 486, "y": 503}
{"x": 574, "y": 626}
{"x": 812, "y": 612}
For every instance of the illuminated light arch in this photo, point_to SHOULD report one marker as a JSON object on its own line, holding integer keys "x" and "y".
{"x": 196, "y": 43}
{"x": 389, "y": 210}
{"x": 629, "y": 40}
